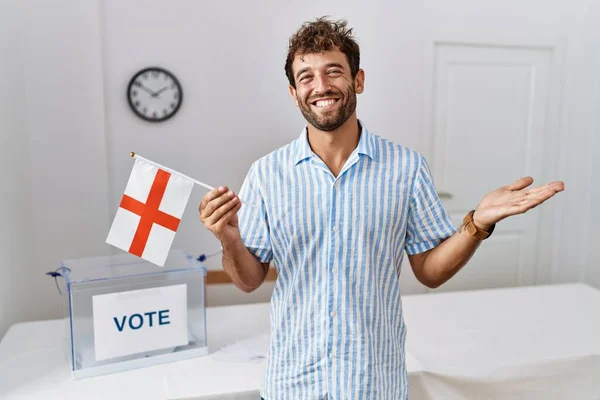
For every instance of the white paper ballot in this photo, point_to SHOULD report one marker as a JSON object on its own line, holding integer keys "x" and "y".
{"x": 253, "y": 349}
{"x": 139, "y": 321}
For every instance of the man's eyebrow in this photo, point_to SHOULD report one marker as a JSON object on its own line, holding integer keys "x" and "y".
{"x": 303, "y": 70}
{"x": 335, "y": 65}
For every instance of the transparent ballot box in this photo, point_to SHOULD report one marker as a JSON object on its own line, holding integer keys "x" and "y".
{"x": 125, "y": 312}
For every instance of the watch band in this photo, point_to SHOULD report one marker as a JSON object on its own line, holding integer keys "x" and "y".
{"x": 473, "y": 230}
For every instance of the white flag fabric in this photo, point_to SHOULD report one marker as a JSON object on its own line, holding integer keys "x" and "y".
{"x": 150, "y": 211}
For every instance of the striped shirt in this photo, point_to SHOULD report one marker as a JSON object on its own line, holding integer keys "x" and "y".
{"x": 337, "y": 328}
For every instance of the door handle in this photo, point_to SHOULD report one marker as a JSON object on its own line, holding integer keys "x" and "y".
{"x": 444, "y": 195}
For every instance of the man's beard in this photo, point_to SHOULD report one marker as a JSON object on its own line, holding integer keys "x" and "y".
{"x": 331, "y": 121}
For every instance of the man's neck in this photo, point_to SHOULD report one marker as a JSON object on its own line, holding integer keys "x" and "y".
{"x": 334, "y": 147}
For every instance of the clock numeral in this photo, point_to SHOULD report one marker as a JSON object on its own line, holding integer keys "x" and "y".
{"x": 173, "y": 86}
{"x": 134, "y": 93}
{"x": 172, "y": 105}
{"x": 137, "y": 103}
{"x": 176, "y": 95}
{"x": 137, "y": 83}
{"x": 154, "y": 115}
{"x": 145, "y": 110}
{"x": 146, "y": 76}
{"x": 155, "y": 74}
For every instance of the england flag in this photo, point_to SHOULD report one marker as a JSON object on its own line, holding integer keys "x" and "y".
{"x": 150, "y": 211}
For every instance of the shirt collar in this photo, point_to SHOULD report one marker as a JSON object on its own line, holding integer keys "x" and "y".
{"x": 366, "y": 145}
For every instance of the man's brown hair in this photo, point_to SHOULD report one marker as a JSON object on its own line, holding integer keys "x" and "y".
{"x": 319, "y": 36}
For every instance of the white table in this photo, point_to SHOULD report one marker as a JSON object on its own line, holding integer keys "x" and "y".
{"x": 531, "y": 343}
{"x": 521, "y": 343}
{"x": 33, "y": 364}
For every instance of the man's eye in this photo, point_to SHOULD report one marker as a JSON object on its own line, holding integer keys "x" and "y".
{"x": 304, "y": 78}
{"x": 335, "y": 72}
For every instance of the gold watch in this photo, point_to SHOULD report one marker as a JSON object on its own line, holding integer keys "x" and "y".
{"x": 473, "y": 230}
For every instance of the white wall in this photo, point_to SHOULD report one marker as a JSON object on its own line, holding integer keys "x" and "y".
{"x": 71, "y": 128}
{"x": 15, "y": 175}
{"x": 65, "y": 121}
{"x": 575, "y": 220}
{"x": 591, "y": 210}
{"x": 54, "y": 166}
{"x": 237, "y": 106}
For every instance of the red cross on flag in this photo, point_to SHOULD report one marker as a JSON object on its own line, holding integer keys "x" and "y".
{"x": 149, "y": 213}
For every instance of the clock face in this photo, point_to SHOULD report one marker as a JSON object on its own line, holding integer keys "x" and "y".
{"x": 154, "y": 94}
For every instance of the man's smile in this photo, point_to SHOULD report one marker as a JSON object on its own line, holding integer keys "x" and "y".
{"x": 324, "y": 104}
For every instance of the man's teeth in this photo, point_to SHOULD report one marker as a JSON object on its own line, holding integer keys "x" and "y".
{"x": 325, "y": 103}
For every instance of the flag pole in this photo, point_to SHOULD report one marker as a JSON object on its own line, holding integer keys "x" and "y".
{"x": 132, "y": 154}
{"x": 197, "y": 182}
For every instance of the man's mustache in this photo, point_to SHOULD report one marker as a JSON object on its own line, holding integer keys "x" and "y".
{"x": 327, "y": 94}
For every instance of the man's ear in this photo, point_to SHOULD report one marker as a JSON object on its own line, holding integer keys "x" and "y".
{"x": 293, "y": 94}
{"x": 359, "y": 81}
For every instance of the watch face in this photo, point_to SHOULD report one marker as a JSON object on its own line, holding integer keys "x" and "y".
{"x": 154, "y": 94}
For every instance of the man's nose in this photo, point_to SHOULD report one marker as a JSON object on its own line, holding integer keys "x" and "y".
{"x": 321, "y": 84}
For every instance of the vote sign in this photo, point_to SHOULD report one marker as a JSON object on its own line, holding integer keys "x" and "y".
{"x": 139, "y": 321}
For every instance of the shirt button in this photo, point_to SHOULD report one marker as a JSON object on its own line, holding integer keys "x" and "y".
{"x": 335, "y": 228}
{"x": 333, "y": 313}
{"x": 332, "y": 354}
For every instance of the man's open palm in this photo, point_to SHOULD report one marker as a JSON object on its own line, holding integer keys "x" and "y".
{"x": 513, "y": 199}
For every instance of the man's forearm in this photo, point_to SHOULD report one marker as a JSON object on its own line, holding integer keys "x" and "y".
{"x": 445, "y": 260}
{"x": 436, "y": 266}
{"x": 244, "y": 269}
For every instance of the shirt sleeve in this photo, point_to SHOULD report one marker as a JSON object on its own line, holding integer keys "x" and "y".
{"x": 252, "y": 216}
{"x": 428, "y": 222}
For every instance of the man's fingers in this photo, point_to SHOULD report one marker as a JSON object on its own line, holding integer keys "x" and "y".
{"x": 544, "y": 195}
{"x": 216, "y": 203}
{"x": 536, "y": 191}
{"x": 558, "y": 186}
{"x": 224, "y": 220}
{"x": 213, "y": 194}
{"x": 218, "y": 214}
{"x": 520, "y": 201}
{"x": 553, "y": 187}
{"x": 520, "y": 184}
{"x": 525, "y": 203}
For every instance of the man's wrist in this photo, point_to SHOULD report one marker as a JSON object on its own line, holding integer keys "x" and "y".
{"x": 480, "y": 225}
{"x": 233, "y": 246}
{"x": 229, "y": 245}
{"x": 473, "y": 229}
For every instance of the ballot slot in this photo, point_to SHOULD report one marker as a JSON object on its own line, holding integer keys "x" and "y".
{"x": 123, "y": 312}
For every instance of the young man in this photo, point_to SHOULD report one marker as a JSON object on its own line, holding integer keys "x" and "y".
{"x": 334, "y": 211}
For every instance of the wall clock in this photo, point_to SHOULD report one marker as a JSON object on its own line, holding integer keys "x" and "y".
{"x": 154, "y": 94}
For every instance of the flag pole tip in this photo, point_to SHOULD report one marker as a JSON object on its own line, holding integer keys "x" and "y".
{"x": 132, "y": 154}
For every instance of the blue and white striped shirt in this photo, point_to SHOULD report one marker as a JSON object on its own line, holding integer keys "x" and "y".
{"x": 337, "y": 328}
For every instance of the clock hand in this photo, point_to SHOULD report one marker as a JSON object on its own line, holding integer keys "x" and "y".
{"x": 159, "y": 92}
{"x": 146, "y": 89}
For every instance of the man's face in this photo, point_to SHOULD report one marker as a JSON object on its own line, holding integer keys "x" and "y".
{"x": 325, "y": 91}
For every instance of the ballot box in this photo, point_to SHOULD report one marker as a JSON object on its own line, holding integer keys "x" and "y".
{"x": 122, "y": 312}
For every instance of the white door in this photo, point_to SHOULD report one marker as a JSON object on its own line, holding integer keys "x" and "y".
{"x": 488, "y": 126}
